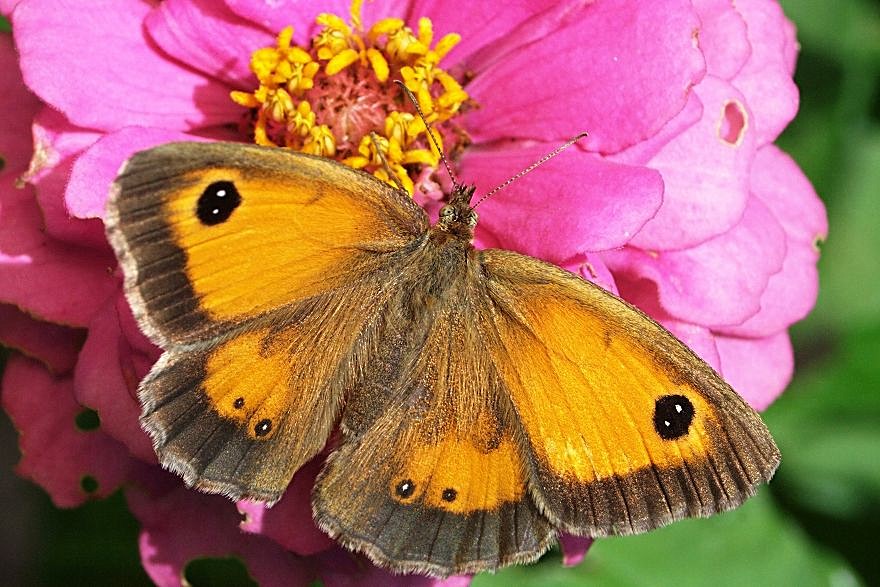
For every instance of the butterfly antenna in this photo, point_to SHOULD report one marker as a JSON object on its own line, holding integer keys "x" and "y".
{"x": 375, "y": 140}
{"x": 430, "y": 130}
{"x": 532, "y": 167}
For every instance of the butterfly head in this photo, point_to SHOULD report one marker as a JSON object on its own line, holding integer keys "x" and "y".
{"x": 457, "y": 217}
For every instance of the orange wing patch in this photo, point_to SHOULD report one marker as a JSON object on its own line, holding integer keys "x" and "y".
{"x": 459, "y": 477}
{"x": 588, "y": 401}
{"x": 293, "y": 240}
{"x": 248, "y": 382}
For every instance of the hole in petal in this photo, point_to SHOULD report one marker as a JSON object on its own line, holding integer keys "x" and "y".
{"x": 217, "y": 571}
{"x": 88, "y": 484}
{"x": 2, "y": 163}
{"x": 733, "y": 123}
{"x": 88, "y": 420}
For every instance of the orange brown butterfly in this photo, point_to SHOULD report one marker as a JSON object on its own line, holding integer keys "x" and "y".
{"x": 486, "y": 400}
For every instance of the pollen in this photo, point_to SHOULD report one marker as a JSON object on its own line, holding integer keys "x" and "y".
{"x": 335, "y": 96}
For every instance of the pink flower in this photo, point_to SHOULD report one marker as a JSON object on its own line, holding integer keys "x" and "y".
{"x": 678, "y": 200}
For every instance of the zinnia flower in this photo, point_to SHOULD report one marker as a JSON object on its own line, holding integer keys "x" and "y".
{"x": 678, "y": 200}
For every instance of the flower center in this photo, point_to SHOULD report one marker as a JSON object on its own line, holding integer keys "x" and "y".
{"x": 336, "y": 98}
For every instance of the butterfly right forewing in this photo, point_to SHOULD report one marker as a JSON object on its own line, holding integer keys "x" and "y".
{"x": 628, "y": 429}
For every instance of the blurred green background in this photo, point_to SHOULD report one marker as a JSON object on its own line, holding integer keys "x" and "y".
{"x": 819, "y": 521}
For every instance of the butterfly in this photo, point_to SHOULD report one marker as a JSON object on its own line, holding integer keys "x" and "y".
{"x": 486, "y": 401}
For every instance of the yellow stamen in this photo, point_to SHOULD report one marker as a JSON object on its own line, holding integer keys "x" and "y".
{"x": 328, "y": 97}
{"x": 320, "y": 142}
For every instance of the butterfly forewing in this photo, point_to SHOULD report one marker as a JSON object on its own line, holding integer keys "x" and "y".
{"x": 627, "y": 428}
{"x": 212, "y": 235}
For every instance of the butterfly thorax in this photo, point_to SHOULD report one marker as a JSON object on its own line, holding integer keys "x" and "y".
{"x": 457, "y": 218}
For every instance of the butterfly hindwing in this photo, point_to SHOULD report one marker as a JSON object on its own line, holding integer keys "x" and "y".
{"x": 431, "y": 475}
{"x": 628, "y": 429}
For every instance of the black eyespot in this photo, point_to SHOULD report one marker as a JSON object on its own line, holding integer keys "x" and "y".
{"x": 88, "y": 484}
{"x": 238, "y": 403}
{"x": 673, "y": 415}
{"x": 263, "y": 427}
{"x": 449, "y": 494}
{"x": 217, "y": 202}
{"x": 405, "y": 488}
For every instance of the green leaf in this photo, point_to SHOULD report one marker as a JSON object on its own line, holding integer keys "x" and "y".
{"x": 754, "y": 545}
{"x": 828, "y": 429}
{"x": 846, "y": 29}
{"x": 850, "y": 255}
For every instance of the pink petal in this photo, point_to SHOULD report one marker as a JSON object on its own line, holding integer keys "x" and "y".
{"x": 790, "y": 52}
{"x": 207, "y": 36}
{"x": 780, "y": 184}
{"x": 591, "y": 267}
{"x": 705, "y": 172}
{"x": 572, "y": 204}
{"x": 342, "y": 568}
{"x": 698, "y": 338}
{"x": 717, "y": 283}
{"x": 723, "y": 37}
{"x": 574, "y": 548}
{"x": 35, "y": 269}
{"x": 19, "y": 107}
{"x": 640, "y": 61}
{"x": 54, "y": 345}
{"x": 180, "y": 525}
{"x": 107, "y": 376}
{"x": 274, "y": 15}
{"x": 757, "y": 368}
{"x": 7, "y": 6}
{"x": 57, "y": 143}
{"x": 289, "y": 522}
{"x": 641, "y": 153}
{"x": 96, "y": 169}
{"x": 491, "y": 30}
{"x": 765, "y": 79}
{"x": 96, "y": 65}
{"x": 56, "y": 140}
{"x": 56, "y": 453}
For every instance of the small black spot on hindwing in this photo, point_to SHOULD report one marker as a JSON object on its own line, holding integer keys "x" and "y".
{"x": 405, "y": 488}
{"x": 238, "y": 403}
{"x": 449, "y": 494}
{"x": 263, "y": 427}
{"x": 673, "y": 415}
{"x": 217, "y": 203}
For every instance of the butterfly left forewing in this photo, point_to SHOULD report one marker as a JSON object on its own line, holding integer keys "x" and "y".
{"x": 214, "y": 234}
{"x": 628, "y": 429}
